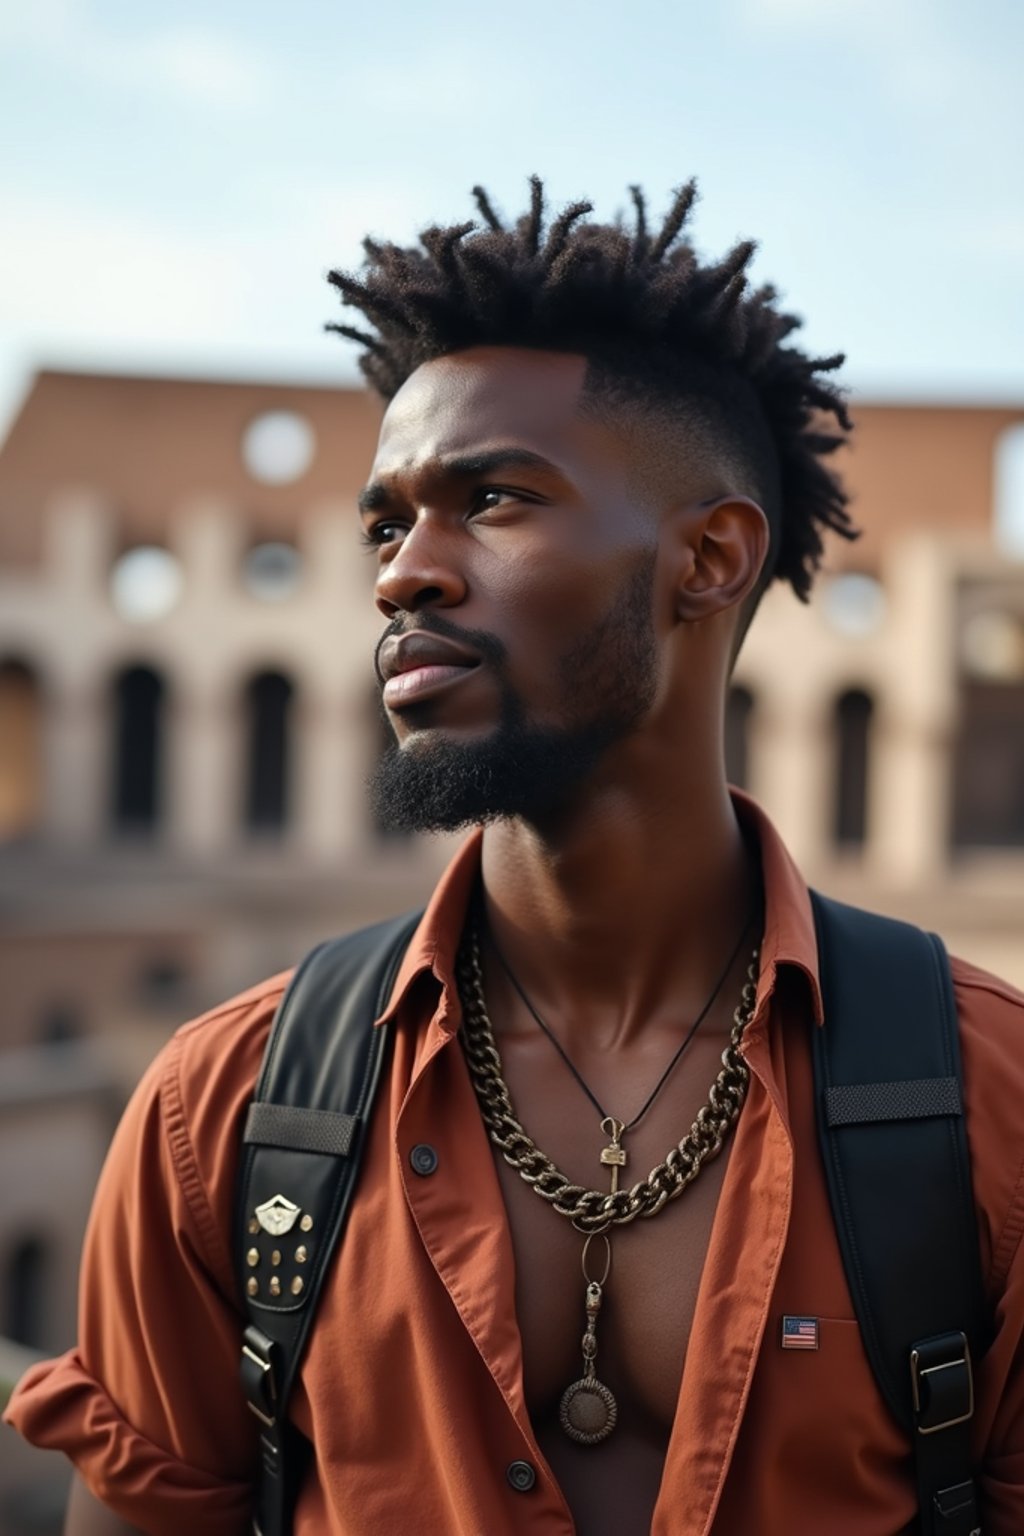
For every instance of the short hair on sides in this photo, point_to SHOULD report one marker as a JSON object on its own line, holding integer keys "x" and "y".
{"x": 660, "y": 328}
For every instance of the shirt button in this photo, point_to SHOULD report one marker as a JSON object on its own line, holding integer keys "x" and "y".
{"x": 521, "y": 1476}
{"x": 423, "y": 1159}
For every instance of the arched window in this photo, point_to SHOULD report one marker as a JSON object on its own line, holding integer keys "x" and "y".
{"x": 61, "y": 1023}
{"x": 278, "y": 447}
{"x": 21, "y": 768}
{"x": 853, "y": 714}
{"x": 268, "y": 703}
{"x": 139, "y": 696}
{"x": 146, "y": 583}
{"x": 272, "y": 570}
{"x": 25, "y": 1293}
{"x": 988, "y": 799}
{"x": 1009, "y": 492}
{"x": 739, "y": 708}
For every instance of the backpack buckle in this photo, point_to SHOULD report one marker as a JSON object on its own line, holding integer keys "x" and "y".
{"x": 259, "y": 1381}
{"x": 942, "y": 1382}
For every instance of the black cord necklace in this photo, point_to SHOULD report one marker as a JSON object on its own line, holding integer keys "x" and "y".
{"x": 588, "y": 1410}
{"x": 618, "y": 1128}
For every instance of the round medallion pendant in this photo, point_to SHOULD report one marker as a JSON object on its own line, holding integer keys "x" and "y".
{"x": 588, "y": 1411}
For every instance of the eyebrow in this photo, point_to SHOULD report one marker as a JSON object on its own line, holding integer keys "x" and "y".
{"x": 469, "y": 466}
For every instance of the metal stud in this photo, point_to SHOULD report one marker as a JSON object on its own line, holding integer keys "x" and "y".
{"x": 301, "y": 1254}
{"x": 275, "y": 1257}
{"x": 306, "y": 1223}
{"x": 297, "y": 1284}
{"x": 252, "y": 1285}
{"x": 275, "y": 1286}
{"x": 252, "y": 1258}
{"x": 254, "y": 1226}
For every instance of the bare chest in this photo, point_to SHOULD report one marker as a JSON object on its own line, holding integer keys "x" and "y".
{"x": 648, "y": 1301}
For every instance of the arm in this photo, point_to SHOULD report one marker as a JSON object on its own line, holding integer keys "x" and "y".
{"x": 148, "y": 1405}
{"x": 992, "y": 1043}
{"x": 86, "y": 1516}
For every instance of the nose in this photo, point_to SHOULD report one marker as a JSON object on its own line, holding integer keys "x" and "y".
{"x": 421, "y": 572}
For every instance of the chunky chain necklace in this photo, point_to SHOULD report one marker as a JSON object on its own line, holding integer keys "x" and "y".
{"x": 588, "y": 1409}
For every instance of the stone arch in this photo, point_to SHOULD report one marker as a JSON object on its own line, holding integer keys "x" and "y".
{"x": 21, "y": 749}
{"x": 140, "y": 706}
{"x": 268, "y": 706}
{"x": 26, "y": 1282}
{"x": 853, "y": 717}
{"x": 988, "y": 765}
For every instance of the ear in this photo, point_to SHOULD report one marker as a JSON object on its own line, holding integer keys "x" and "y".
{"x": 722, "y": 544}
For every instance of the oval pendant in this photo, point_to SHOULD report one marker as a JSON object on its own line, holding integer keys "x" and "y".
{"x": 588, "y": 1411}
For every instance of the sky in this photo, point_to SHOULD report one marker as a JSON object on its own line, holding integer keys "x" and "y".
{"x": 175, "y": 181}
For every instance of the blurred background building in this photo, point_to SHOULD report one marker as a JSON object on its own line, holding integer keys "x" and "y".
{"x": 187, "y": 707}
{"x": 188, "y": 714}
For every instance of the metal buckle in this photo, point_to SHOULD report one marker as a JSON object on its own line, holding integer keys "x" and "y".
{"x": 919, "y": 1377}
{"x": 268, "y": 1371}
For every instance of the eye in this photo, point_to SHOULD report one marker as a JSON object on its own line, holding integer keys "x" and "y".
{"x": 486, "y": 498}
{"x": 379, "y": 535}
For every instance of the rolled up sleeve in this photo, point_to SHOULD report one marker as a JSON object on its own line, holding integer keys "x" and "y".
{"x": 148, "y": 1405}
{"x": 60, "y": 1406}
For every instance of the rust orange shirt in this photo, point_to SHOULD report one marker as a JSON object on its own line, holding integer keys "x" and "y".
{"x": 412, "y": 1389}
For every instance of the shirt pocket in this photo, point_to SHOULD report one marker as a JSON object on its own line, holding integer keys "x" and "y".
{"x": 835, "y": 1437}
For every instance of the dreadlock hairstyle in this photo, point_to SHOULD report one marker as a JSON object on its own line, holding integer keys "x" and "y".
{"x": 658, "y": 327}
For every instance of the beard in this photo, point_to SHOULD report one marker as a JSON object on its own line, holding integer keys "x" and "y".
{"x": 523, "y": 770}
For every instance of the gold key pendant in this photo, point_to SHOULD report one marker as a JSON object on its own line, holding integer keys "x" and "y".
{"x": 614, "y": 1154}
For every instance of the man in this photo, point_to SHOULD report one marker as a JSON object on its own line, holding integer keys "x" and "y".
{"x": 597, "y": 453}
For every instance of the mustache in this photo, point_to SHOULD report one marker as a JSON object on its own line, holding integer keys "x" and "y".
{"x": 487, "y": 646}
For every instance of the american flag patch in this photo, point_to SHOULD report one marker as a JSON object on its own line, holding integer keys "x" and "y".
{"x": 799, "y": 1333}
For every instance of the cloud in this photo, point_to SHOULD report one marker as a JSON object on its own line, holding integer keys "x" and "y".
{"x": 84, "y": 276}
{"x": 997, "y": 236}
{"x": 44, "y": 23}
{"x": 198, "y": 64}
{"x": 938, "y": 67}
{"x": 836, "y": 15}
{"x": 201, "y": 65}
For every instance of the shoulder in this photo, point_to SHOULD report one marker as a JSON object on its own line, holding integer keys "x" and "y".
{"x": 991, "y": 1015}
{"x": 971, "y": 982}
{"x": 208, "y": 1065}
{"x": 209, "y": 1071}
{"x": 217, "y": 1055}
{"x": 176, "y": 1150}
{"x": 203, "y": 1077}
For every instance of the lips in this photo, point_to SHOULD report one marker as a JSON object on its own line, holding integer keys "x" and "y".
{"x": 416, "y": 666}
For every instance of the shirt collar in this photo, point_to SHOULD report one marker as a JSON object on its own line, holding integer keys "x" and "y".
{"x": 434, "y": 946}
{"x": 789, "y": 934}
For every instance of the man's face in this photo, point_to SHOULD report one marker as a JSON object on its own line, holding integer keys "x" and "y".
{"x": 518, "y": 574}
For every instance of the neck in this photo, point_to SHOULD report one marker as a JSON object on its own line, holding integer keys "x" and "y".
{"x": 626, "y": 911}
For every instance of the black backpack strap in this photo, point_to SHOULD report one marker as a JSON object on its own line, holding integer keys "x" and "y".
{"x": 303, "y": 1140}
{"x": 891, "y": 1128}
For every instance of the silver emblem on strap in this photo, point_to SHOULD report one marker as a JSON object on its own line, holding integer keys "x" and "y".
{"x": 277, "y": 1215}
